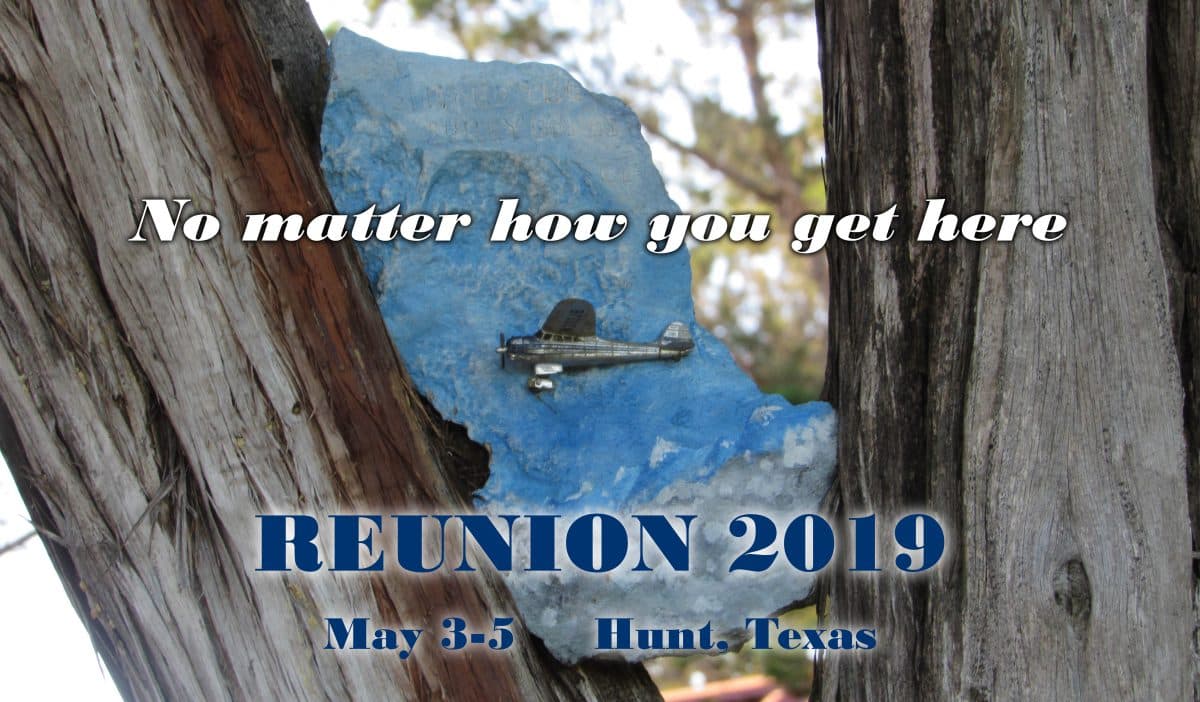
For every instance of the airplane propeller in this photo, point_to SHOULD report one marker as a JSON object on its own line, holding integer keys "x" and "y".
{"x": 503, "y": 350}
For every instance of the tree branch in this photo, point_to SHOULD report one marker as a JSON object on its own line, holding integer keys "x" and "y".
{"x": 14, "y": 545}
{"x": 766, "y": 193}
{"x": 775, "y": 149}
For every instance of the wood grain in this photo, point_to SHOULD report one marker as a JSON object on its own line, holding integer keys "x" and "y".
{"x": 160, "y": 396}
{"x": 1028, "y": 394}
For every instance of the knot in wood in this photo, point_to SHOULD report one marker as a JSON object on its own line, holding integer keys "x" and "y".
{"x": 1073, "y": 590}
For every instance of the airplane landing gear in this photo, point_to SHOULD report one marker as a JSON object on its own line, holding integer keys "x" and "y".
{"x": 539, "y": 383}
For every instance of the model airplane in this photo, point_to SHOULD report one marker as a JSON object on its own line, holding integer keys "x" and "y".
{"x": 568, "y": 340}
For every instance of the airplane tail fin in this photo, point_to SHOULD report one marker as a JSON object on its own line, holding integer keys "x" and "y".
{"x": 676, "y": 337}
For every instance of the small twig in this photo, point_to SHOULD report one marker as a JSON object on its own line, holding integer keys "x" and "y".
{"x": 14, "y": 545}
{"x": 712, "y": 161}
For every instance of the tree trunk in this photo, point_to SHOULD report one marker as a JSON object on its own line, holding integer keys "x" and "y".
{"x": 1028, "y": 394}
{"x": 156, "y": 397}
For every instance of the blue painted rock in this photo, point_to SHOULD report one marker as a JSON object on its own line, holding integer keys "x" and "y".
{"x": 436, "y": 135}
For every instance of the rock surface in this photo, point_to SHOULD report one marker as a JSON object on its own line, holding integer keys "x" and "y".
{"x": 437, "y": 135}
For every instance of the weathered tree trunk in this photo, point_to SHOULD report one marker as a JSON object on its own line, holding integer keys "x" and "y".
{"x": 157, "y": 397}
{"x": 1028, "y": 394}
{"x": 1174, "y": 86}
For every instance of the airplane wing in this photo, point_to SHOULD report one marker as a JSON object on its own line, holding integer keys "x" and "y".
{"x": 571, "y": 317}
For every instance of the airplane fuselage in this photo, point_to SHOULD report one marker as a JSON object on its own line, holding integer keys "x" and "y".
{"x": 586, "y": 351}
{"x": 568, "y": 339}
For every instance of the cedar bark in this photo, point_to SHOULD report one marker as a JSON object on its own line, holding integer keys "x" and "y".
{"x": 1041, "y": 399}
{"x": 156, "y": 397}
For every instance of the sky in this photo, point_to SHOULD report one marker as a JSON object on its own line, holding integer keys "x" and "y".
{"x": 47, "y": 654}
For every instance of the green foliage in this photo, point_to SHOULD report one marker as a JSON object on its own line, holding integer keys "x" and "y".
{"x": 791, "y": 669}
{"x": 509, "y": 29}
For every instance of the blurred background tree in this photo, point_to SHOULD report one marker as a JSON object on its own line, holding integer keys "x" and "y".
{"x": 753, "y": 147}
